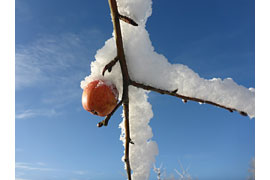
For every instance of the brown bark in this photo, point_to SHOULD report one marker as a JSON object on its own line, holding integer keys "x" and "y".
{"x": 185, "y": 98}
{"x": 125, "y": 76}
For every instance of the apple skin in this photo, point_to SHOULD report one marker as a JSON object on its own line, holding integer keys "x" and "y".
{"x": 99, "y": 98}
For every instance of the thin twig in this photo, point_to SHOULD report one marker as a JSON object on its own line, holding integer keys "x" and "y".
{"x": 127, "y": 20}
{"x": 185, "y": 98}
{"x": 106, "y": 120}
{"x": 110, "y": 65}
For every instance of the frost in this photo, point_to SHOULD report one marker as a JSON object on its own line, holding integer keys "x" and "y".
{"x": 148, "y": 67}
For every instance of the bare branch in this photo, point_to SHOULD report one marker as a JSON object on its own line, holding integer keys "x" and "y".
{"x": 185, "y": 98}
{"x": 106, "y": 120}
{"x": 110, "y": 65}
{"x": 127, "y": 20}
{"x": 131, "y": 142}
{"x": 128, "y": 140}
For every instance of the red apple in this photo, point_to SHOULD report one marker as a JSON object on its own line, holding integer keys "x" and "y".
{"x": 99, "y": 97}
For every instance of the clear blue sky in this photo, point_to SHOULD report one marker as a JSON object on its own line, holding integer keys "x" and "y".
{"x": 55, "y": 43}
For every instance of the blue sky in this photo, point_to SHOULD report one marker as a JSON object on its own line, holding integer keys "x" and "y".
{"x": 57, "y": 40}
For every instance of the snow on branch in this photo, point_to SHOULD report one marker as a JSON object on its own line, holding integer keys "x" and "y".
{"x": 140, "y": 68}
{"x": 184, "y": 98}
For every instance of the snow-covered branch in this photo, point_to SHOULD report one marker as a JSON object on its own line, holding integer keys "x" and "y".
{"x": 140, "y": 68}
{"x": 184, "y": 98}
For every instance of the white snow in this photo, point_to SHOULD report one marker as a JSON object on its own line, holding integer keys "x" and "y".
{"x": 148, "y": 67}
{"x": 143, "y": 152}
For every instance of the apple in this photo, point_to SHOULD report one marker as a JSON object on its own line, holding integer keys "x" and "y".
{"x": 99, "y": 97}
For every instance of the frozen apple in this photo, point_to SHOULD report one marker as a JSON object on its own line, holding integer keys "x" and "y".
{"x": 99, "y": 97}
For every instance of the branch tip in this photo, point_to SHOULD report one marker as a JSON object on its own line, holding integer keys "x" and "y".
{"x": 100, "y": 124}
{"x": 131, "y": 142}
{"x": 109, "y": 65}
{"x": 174, "y": 91}
{"x": 243, "y": 113}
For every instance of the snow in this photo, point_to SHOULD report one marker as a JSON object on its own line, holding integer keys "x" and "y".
{"x": 148, "y": 67}
{"x": 143, "y": 151}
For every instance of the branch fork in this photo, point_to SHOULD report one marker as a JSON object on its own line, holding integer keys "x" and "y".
{"x": 128, "y": 81}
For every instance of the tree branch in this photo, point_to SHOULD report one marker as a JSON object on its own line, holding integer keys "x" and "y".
{"x": 125, "y": 76}
{"x": 110, "y": 65}
{"x": 127, "y": 20}
{"x": 185, "y": 98}
{"x": 128, "y": 140}
{"x": 106, "y": 120}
